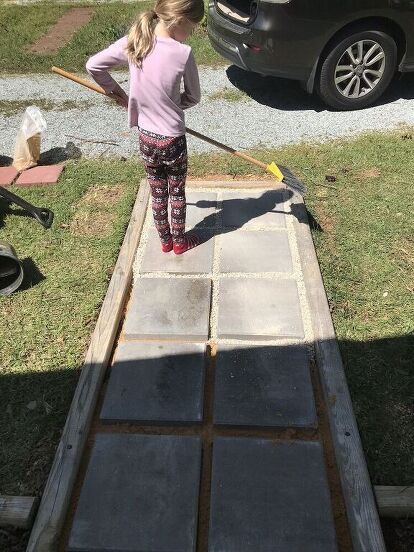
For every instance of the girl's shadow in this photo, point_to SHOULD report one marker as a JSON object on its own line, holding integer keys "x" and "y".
{"x": 237, "y": 212}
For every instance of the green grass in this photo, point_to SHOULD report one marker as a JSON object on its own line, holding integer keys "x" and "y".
{"x": 8, "y": 108}
{"x": 20, "y": 26}
{"x": 366, "y": 253}
{"x": 45, "y": 329}
{"x": 228, "y": 94}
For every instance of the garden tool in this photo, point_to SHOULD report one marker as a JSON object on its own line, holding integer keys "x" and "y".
{"x": 43, "y": 215}
{"x": 281, "y": 174}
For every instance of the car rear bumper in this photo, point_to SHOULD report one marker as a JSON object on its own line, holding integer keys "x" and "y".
{"x": 278, "y": 54}
{"x": 228, "y": 38}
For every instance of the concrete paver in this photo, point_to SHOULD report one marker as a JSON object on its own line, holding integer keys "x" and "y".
{"x": 263, "y": 386}
{"x": 269, "y": 495}
{"x": 140, "y": 493}
{"x": 7, "y": 175}
{"x": 169, "y": 308}
{"x": 201, "y": 209}
{"x": 241, "y": 209}
{"x": 253, "y": 308}
{"x": 156, "y": 382}
{"x": 255, "y": 252}
{"x": 197, "y": 261}
{"x": 40, "y": 175}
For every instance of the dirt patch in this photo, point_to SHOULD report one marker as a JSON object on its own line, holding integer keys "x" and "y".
{"x": 62, "y": 31}
{"x": 86, "y": 223}
{"x": 103, "y": 196}
{"x": 326, "y": 220}
{"x": 370, "y": 173}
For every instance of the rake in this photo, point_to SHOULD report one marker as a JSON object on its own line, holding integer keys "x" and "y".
{"x": 280, "y": 173}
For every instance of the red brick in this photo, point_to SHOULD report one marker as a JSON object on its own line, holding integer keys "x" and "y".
{"x": 7, "y": 175}
{"x": 40, "y": 175}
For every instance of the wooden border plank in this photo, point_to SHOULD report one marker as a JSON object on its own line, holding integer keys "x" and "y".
{"x": 395, "y": 501}
{"x": 17, "y": 511}
{"x": 57, "y": 494}
{"x": 359, "y": 498}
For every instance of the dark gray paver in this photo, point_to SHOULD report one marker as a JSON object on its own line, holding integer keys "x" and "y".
{"x": 155, "y": 383}
{"x": 254, "y": 208}
{"x": 140, "y": 494}
{"x": 169, "y": 308}
{"x": 258, "y": 308}
{"x": 263, "y": 386}
{"x": 243, "y": 251}
{"x": 269, "y": 496}
{"x": 197, "y": 261}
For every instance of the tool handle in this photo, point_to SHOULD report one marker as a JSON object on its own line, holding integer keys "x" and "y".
{"x": 43, "y": 215}
{"x": 100, "y": 90}
{"x": 226, "y": 148}
{"x": 79, "y": 80}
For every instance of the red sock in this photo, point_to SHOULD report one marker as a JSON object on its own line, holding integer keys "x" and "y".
{"x": 190, "y": 241}
{"x": 167, "y": 246}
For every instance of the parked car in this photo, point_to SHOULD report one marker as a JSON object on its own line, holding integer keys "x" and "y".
{"x": 346, "y": 50}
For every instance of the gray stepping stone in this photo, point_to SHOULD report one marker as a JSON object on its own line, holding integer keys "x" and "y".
{"x": 256, "y": 208}
{"x": 140, "y": 494}
{"x": 243, "y": 251}
{"x": 263, "y": 386}
{"x": 258, "y": 308}
{"x": 201, "y": 209}
{"x": 196, "y": 261}
{"x": 269, "y": 496}
{"x": 156, "y": 383}
{"x": 169, "y": 308}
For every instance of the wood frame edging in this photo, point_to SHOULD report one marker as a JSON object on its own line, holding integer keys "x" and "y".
{"x": 363, "y": 519}
{"x": 57, "y": 494}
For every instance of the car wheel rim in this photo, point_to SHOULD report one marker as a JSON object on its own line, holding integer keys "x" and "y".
{"x": 360, "y": 69}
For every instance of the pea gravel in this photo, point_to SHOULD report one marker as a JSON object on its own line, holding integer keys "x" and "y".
{"x": 273, "y": 112}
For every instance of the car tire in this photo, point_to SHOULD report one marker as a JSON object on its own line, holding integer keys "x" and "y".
{"x": 347, "y": 61}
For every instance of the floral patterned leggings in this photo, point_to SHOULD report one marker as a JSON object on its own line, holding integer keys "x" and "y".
{"x": 165, "y": 161}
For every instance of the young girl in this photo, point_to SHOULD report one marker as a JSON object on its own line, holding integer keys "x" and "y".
{"x": 158, "y": 63}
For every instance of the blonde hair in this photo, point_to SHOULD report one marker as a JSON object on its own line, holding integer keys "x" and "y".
{"x": 141, "y": 35}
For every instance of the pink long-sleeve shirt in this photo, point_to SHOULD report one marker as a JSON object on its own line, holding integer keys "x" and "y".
{"x": 156, "y": 102}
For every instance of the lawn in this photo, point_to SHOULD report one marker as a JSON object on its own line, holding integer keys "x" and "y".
{"x": 365, "y": 244}
{"x": 21, "y": 26}
{"x": 45, "y": 329}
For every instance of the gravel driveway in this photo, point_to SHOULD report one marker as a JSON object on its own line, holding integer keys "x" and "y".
{"x": 268, "y": 112}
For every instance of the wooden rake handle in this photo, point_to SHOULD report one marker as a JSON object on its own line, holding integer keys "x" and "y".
{"x": 96, "y": 88}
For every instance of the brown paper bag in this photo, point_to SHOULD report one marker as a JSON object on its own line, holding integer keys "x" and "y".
{"x": 27, "y": 149}
{"x": 26, "y": 152}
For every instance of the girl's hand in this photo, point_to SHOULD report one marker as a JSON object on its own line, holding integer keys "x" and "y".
{"x": 119, "y": 95}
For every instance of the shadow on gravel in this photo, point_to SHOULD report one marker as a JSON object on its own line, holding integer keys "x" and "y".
{"x": 5, "y": 161}
{"x": 289, "y": 95}
{"x": 58, "y": 155}
{"x": 50, "y": 157}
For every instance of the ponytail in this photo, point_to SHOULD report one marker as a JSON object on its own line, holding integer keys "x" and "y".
{"x": 141, "y": 37}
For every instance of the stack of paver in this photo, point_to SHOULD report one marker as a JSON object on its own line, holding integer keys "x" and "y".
{"x": 235, "y": 308}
